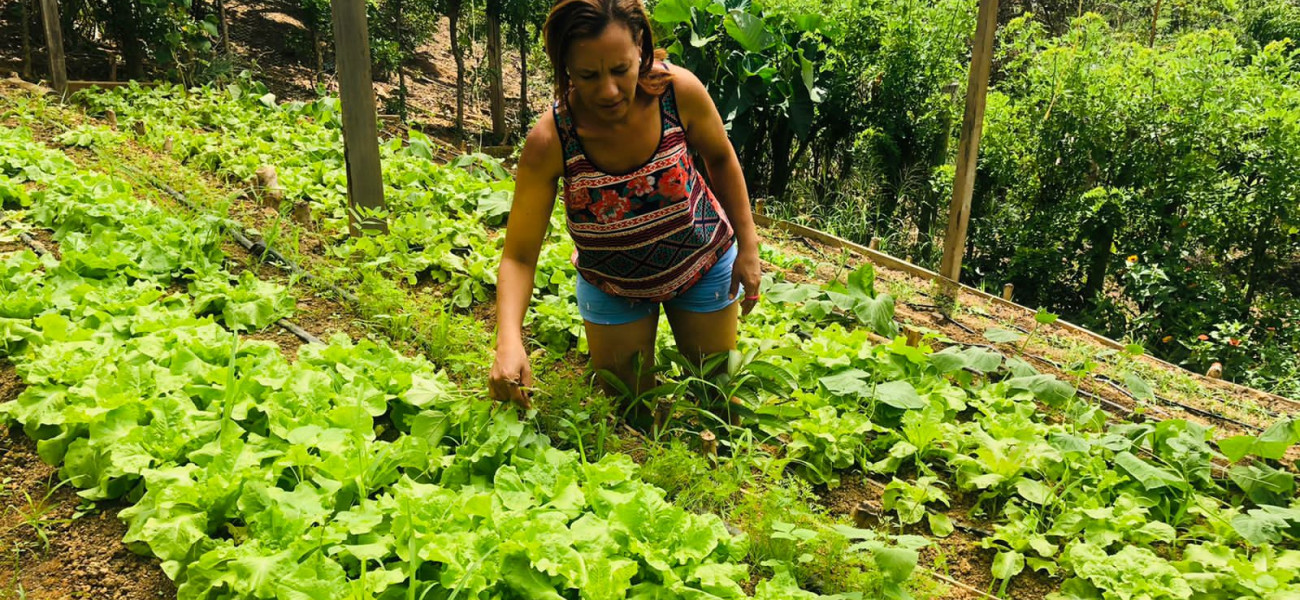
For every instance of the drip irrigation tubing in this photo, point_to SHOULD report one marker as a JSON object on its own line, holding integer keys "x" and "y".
{"x": 256, "y": 247}
{"x": 1161, "y": 399}
{"x": 1104, "y": 379}
{"x": 41, "y": 250}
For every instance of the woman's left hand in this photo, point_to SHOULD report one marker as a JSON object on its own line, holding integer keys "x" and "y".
{"x": 747, "y": 272}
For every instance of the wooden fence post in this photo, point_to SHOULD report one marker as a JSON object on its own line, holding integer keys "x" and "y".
{"x": 972, "y": 125}
{"x": 357, "y": 96}
{"x": 54, "y": 40}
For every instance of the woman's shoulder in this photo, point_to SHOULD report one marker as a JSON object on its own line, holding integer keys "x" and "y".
{"x": 543, "y": 148}
{"x": 692, "y": 97}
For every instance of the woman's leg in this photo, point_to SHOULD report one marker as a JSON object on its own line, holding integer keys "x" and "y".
{"x": 616, "y": 348}
{"x": 699, "y": 334}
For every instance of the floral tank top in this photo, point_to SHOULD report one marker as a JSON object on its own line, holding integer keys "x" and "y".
{"x": 649, "y": 233}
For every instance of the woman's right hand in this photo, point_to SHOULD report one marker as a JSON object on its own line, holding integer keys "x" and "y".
{"x": 511, "y": 375}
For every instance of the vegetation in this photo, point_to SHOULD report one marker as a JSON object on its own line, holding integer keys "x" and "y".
{"x": 1139, "y": 173}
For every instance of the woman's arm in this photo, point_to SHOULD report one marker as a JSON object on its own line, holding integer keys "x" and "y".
{"x": 541, "y": 164}
{"x": 707, "y": 136}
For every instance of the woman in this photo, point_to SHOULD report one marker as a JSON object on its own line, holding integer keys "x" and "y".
{"x": 648, "y": 229}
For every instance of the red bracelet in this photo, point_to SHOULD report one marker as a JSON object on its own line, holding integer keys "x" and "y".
{"x": 754, "y": 297}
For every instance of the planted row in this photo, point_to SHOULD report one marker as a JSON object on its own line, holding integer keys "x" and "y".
{"x": 352, "y": 472}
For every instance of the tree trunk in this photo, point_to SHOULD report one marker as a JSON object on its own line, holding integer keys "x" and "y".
{"x": 453, "y": 19}
{"x": 225, "y": 26}
{"x": 124, "y": 28}
{"x": 752, "y": 161}
{"x": 1103, "y": 237}
{"x": 782, "y": 139}
{"x": 496, "y": 86}
{"x": 521, "y": 29}
{"x": 318, "y": 46}
{"x": 1258, "y": 249}
{"x": 401, "y": 59}
{"x": 27, "y": 38}
{"x": 1155, "y": 19}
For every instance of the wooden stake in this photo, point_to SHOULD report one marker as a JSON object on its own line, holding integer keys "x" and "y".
{"x": 874, "y": 244}
{"x": 977, "y": 85}
{"x": 357, "y": 96}
{"x": 913, "y": 337}
{"x": 663, "y": 411}
{"x": 138, "y": 127}
{"x": 1216, "y": 371}
{"x": 110, "y": 115}
{"x": 864, "y": 514}
{"x": 709, "y": 445}
{"x": 168, "y": 145}
{"x": 1007, "y": 289}
{"x": 267, "y": 184}
{"x": 54, "y": 40}
{"x": 302, "y": 213}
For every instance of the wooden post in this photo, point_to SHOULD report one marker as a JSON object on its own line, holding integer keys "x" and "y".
{"x": 110, "y": 115}
{"x": 913, "y": 337}
{"x": 972, "y": 125}
{"x": 874, "y": 244}
{"x": 709, "y": 445}
{"x": 54, "y": 40}
{"x": 1007, "y": 289}
{"x": 357, "y": 96}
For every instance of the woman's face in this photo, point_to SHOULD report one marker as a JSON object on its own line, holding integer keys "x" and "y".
{"x": 605, "y": 70}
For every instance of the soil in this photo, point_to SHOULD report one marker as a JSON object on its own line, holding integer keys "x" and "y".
{"x": 80, "y": 556}
{"x": 86, "y": 557}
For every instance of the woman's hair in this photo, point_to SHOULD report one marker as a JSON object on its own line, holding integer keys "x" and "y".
{"x": 573, "y": 20}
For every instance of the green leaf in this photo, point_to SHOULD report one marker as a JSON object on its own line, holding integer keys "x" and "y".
{"x": 748, "y": 30}
{"x": 1150, "y": 476}
{"x": 1002, "y": 336}
{"x": 672, "y": 12}
{"x": 1033, "y": 490}
{"x": 899, "y": 394}
{"x": 1138, "y": 386}
{"x": 940, "y": 524}
{"x": 848, "y": 383}
{"x": 862, "y": 280}
{"x": 1007, "y": 564}
{"x": 1047, "y": 388}
{"x": 878, "y": 314}
{"x": 1263, "y": 484}
{"x": 895, "y": 564}
{"x": 1045, "y": 318}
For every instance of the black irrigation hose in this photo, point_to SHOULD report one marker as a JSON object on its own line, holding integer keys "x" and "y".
{"x": 41, "y": 250}
{"x": 257, "y": 247}
{"x": 302, "y": 334}
{"x": 31, "y": 242}
{"x": 1208, "y": 414}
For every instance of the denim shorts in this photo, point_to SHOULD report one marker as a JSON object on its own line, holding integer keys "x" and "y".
{"x": 708, "y": 294}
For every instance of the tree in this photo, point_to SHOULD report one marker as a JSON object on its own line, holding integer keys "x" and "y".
{"x": 495, "y": 11}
